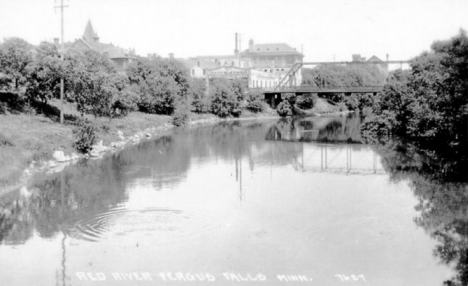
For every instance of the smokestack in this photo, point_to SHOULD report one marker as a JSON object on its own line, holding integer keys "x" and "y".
{"x": 236, "y": 51}
{"x": 251, "y": 44}
{"x": 387, "y": 57}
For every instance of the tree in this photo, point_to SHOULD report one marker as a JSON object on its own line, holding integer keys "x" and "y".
{"x": 15, "y": 56}
{"x": 430, "y": 103}
{"x": 159, "y": 83}
{"x": 44, "y": 73}
{"x": 96, "y": 86}
{"x": 226, "y": 98}
{"x": 200, "y": 100}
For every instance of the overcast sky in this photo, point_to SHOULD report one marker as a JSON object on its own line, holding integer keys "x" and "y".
{"x": 326, "y": 30}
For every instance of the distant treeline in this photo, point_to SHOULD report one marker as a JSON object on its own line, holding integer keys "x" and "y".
{"x": 351, "y": 75}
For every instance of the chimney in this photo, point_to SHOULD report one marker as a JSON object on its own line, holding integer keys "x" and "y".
{"x": 236, "y": 50}
{"x": 171, "y": 56}
{"x": 56, "y": 41}
{"x": 251, "y": 43}
{"x": 387, "y": 57}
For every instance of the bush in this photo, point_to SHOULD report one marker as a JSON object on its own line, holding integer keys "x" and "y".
{"x": 84, "y": 136}
{"x": 289, "y": 97}
{"x": 181, "y": 115}
{"x": 124, "y": 102}
{"x": 225, "y": 98}
{"x": 284, "y": 109}
{"x": 306, "y": 101}
{"x": 255, "y": 102}
{"x": 201, "y": 105}
{"x": 159, "y": 83}
{"x": 377, "y": 128}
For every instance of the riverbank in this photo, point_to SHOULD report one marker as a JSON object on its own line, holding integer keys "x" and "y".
{"x": 37, "y": 143}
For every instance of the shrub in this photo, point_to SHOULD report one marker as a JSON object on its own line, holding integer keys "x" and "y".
{"x": 306, "y": 101}
{"x": 289, "y": 97}
{"x": 201, "y": 105}
{"x": 181, "y": 115}
{"x": 255, "y": 102}
{"x": 124, "y": 102}
{"x": 379, "y": 127}
{"x": 284, "y": 109}
{"x": 84, "y": 136}
{"x": 225, "y": 98}
{"x": 159, "y": 83}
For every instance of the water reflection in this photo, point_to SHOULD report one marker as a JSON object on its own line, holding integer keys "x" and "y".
{"x": 327, "y": 129}
{"x": 440, "y": 184}
{"x": 238, "y": 194}
{"x": 59, "y": 203}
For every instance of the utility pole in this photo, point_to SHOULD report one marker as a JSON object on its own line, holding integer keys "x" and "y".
{"x": 61, "y": 52}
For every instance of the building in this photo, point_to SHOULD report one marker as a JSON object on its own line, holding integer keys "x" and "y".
{"x": 271, "y": 55}
{"x": 263, "y": 64}
{"x": 275, "y": 59}
{"x": 90, "y": 41}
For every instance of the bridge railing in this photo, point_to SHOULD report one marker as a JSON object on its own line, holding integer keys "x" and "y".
{"x": 332, "y": 89}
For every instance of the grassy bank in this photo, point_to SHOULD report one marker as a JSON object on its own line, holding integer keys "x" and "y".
{"x": 27, "y": 138}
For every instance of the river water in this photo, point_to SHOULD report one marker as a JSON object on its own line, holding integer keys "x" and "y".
{"x": 267, "y": 202}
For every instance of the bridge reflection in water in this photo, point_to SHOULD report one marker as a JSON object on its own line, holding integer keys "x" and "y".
{"x": 327, "y": 144}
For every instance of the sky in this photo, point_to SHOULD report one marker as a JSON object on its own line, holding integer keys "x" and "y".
{"x": 324, "y": 30}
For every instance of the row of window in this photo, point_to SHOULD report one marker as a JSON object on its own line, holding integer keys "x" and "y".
{"x": 263, "y": 84}
{"x": 272, "y": 70}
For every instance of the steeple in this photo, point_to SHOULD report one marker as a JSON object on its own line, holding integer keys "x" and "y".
{"x": 89, "y": 35}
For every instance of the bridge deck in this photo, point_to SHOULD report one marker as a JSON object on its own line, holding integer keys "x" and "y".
{"x": 338, "y": 89}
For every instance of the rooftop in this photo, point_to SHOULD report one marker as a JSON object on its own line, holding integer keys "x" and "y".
{"x": 275, "y": 48}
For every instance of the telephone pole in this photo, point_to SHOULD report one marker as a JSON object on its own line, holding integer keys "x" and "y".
{"x": 61, "y": 52}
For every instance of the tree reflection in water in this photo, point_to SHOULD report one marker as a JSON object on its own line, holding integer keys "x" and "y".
{"x": 52, "y": 204}
{"x": 327, "y": 129}
{"x": 440, "y": 182}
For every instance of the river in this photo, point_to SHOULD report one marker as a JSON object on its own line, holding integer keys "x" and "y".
{"x": 268, "y": 202}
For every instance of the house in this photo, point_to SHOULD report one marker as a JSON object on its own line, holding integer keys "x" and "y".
{"x": 90, "y": 41}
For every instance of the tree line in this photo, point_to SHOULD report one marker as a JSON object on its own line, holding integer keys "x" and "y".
{"x": 427, "y": 104}
{"x": 92, "y": 81}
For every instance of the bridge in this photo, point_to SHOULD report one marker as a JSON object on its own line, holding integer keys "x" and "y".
{"x": 290, "y": 77}
{"x": 330, "y": 89}
{"x": 288, "y": 83}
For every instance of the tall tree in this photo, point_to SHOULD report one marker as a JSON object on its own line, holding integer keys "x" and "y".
{"x": 15, "y": 56}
